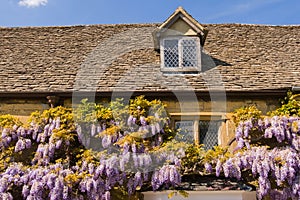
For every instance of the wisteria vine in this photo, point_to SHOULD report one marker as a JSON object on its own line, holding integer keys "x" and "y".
{"x": 57, "y": 157}
{"x": 89, "y": 153}
{"x": 276, "y": 167}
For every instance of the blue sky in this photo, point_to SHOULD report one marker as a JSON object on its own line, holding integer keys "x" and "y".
{"x": 73, "y": 12}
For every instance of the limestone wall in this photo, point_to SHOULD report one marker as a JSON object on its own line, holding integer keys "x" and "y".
{"x": 22, "y": 106}
{"x": 179, "y": 111}
{"x": 206, "y": 111}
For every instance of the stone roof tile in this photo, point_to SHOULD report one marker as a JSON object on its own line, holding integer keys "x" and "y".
{"x": 122, "y": 57}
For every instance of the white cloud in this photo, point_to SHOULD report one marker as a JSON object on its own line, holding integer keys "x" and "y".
{"x": 33, "y": 3}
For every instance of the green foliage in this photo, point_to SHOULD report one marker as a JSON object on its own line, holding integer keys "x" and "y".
{"x": 272, "y": 137}
{"x": 246, "y": 113}
{"x": 120, "y": 193}
{"x": 217, "y": 153}
{"x": 151, "y": 111}
{"x": 172, "y": 146}
{"x": 141, "y": 106}
{"x": 8, "y": 121}
{"x": 195, "y": 158}
{"x": 72, "y": 153}
{"x": 64, "y": 114}
{"x": 67, "y": 128}
{"x": 86, "y": 111}
{"x": 6, "y": 156}
{"x": 290, "y": 106}
{"x": 181, "y": 192}
{"x": 192, "y": 162}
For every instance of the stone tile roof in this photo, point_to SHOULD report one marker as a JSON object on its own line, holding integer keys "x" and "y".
{"x": 106, "y": 58}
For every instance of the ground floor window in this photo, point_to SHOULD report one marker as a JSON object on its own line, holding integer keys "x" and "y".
{"x": 203, "y": 131}
{"x": 209, "y": 133}
{"x": 186, "y": 130}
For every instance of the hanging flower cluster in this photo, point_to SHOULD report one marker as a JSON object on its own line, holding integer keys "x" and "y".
{"x": 282, "y": 128}
{"x": 57, "y": 182}
{"x": 87, "y": 153}
{"x": 279, "y": 167}
{"x": 63, "y": 156}
{"x": 275, "y": 168}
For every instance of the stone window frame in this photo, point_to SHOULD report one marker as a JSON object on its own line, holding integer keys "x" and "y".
{"x": 195, "y": 118}
{"x": 180, "y": 47}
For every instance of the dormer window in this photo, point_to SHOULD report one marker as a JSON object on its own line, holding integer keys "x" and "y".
{"x": 179, "y": 40}
{"x": 180, "y": 53}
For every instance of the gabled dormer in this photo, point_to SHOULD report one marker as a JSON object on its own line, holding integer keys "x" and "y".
{"x": 180, "y": 40}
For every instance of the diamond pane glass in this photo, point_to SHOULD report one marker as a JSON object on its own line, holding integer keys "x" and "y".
{"x": 171, "y": 58}
{"x": 209, "y": 133}
{"x": 186, "y": 131}
{"x": 189, "y": 53}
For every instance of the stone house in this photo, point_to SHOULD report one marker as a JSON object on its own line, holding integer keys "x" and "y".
{"x": 202, "y": 72}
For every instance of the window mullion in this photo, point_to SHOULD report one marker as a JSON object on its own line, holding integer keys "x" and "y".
{"x": 196, "y": 131}
{"x": 180, "y": 53}
{"x": 162, "y": 54}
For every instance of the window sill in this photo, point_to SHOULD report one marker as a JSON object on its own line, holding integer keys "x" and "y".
{"x": 181, "y": 69}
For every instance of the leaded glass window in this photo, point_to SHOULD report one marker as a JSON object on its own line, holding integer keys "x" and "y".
{"x": 209, "y": 133}
{"x": 189, "y": 53}
{"x": 181, "y": 52}
{"x": 186, "y": 131}
{"x": 171, "y": 58}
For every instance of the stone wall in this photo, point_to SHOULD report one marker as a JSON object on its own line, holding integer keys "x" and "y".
{"x": 179, "y": 111}
{"x": 223, "y": 113}
{"x": 262, "y": 103}
{"x": 22, "y": 106}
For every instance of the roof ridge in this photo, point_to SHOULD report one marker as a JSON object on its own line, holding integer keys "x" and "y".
{"x": 81, "y": 25}
{"x": 244, "y": 24}
{"x": 143, "y": 24}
